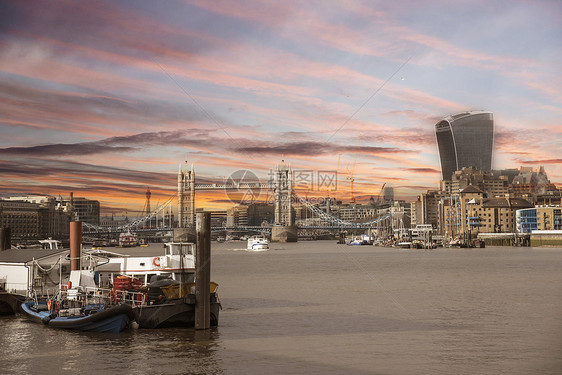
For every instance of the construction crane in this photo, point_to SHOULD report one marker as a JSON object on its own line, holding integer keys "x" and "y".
{"x": 350, "y": 177}
{"x": 351, "y": 180}
{"x": 335, "y": 185}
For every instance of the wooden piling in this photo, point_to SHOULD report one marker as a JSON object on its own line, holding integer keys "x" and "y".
{"x": 5, "y": 238}
{"x": 75, "y": 244}
{"x": 203, "y": 271}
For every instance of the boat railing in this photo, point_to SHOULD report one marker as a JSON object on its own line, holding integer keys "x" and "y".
{"x": 133, "y": 298}
{"x": 85, "y": 296}
{"x": 34, "y": 296}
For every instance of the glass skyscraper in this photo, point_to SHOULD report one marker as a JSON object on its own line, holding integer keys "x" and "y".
{"x": 465, "y": 140}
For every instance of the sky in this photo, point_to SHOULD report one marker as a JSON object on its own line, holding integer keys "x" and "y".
{"x": 106, "y": 99}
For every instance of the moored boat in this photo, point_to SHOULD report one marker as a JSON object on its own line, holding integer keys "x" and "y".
{"x": 160, "y": 289}
{"x": 10, "y": 302}
{"x": 404, "y": 244}
{"x": 93, "y": 318}
{"x": 177, "y": 309}
{"x": 128, "y": 239}
{"x": 81, "y": 307}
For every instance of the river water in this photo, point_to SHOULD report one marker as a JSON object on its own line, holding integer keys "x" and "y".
{"x": 321, "y": 308}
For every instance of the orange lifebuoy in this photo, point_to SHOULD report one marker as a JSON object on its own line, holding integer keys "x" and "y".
{"x": 57, "y": 307}
{"x": 49, "y": 304}
{"x": 156, "y": 261}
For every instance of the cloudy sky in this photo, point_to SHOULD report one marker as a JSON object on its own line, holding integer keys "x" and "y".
{"x": 105, "y": 99}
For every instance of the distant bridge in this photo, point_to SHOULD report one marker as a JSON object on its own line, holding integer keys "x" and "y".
{"x": 161, "y": 219}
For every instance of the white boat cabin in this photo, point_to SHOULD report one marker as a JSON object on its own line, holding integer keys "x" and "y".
{"x": 41, "y": 270}
{"x": 177, "y": 262}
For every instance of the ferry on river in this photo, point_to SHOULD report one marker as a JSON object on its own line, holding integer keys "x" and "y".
{"x": 258, "y": 243}
{"x": 128, "y": 239}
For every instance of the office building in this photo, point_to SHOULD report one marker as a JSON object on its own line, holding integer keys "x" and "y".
{"x": 86, "y": 210}
{"x": 491, "y": 185}
{"x": 465, "y": 140}
{"x": 34, "y": 217}
{"x": 388, "y": 194}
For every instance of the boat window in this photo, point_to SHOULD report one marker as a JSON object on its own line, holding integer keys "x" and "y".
{"x": 187, "y": 250}
{"x": 177, "y": 249}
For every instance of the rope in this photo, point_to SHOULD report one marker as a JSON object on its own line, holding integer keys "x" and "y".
{"x": 43, "y": 269}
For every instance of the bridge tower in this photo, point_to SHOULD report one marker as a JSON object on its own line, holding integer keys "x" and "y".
{"x": 186, "y": 197}
{"x": 283, "y": 190}
{"x": 284, "y": 229}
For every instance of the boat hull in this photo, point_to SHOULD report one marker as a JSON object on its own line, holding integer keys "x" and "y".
{"x": 37, "y": 315}
{"x": 258, "y": 247}
{"x": 111, "y": 319}
{"x": 178, "y": 312}
{"x": 10, "y": 303}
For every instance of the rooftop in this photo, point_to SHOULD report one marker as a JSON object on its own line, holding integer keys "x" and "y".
{"x": 27, "y": 255}
{"x": 471, "y": 189}
{"x": 506, "y": 202}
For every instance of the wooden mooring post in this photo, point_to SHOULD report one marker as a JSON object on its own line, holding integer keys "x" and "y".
{"x": 75, "y": 244}
{"x": 203, "y": 271}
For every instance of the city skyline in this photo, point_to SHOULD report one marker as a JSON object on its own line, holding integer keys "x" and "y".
{"x": 106, "y": 99}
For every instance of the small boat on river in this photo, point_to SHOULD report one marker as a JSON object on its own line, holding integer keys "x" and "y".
{"x": 361, "y": 240}
{"x": 80, "y": 308}
{"x": 258, "y": 243}
{"x": 128, "y": 239}
{"x": 93, "y": 318}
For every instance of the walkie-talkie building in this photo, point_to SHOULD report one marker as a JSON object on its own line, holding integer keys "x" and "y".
{"x": 465, "y": 140}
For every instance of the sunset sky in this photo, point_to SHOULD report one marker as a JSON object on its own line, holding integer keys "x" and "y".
{"x": 105, "y": 99}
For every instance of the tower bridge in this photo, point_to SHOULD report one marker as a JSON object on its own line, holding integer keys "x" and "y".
{"x": 283, "y": 227}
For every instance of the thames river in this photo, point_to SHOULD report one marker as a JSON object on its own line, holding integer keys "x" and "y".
{"x": 321, "y": 308}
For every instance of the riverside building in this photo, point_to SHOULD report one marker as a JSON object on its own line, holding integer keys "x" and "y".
{"x": 516, "y": 188}
{"x": 471, "y": 213}
{"x": 539, "y": 218}
{"x": 34, "y": 217}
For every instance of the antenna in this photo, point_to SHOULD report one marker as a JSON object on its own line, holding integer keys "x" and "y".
{"x": 146, "y": 209}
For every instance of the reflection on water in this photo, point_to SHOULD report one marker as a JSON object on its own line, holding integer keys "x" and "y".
{"x": 30, "y": 348}
{"x": 317, "y": 307}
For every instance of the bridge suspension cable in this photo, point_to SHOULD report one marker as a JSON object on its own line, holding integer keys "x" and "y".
{"x": 128, "y": 226}
{"x": 335, "y": 221}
